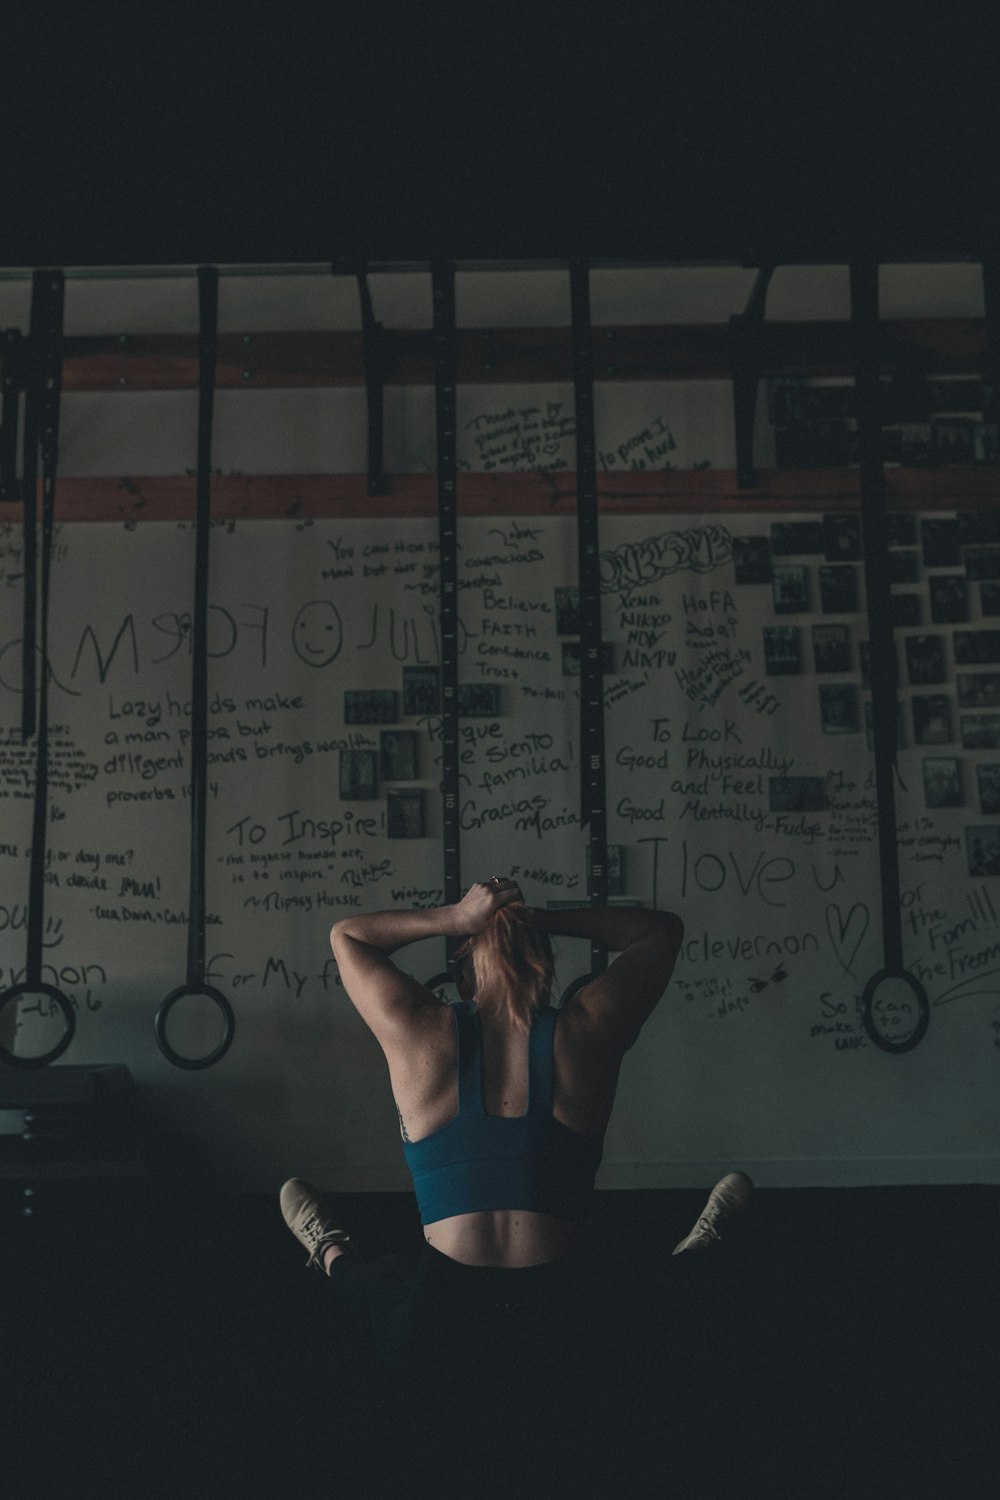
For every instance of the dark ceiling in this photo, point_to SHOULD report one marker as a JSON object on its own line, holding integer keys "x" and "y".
{"x": 151, "y": 134}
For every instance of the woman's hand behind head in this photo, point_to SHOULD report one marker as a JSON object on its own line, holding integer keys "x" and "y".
{"x": 481, "y": 901}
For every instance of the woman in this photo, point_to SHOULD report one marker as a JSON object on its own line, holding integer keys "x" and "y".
{"x": 503, "y": 1104}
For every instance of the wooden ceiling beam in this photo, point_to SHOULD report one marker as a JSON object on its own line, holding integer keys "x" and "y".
{"x": 302, "y": 497}
{"x": 512, "y": 356}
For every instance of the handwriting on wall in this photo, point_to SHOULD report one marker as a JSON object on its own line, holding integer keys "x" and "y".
{"x": 734, "y": 796}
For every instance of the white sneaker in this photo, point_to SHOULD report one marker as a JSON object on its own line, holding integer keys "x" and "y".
{"x": 308, "y": 1217}
{"x": 730, "y": 1197}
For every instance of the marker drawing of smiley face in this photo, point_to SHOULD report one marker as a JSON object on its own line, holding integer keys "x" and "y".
{"x": 317, "y": 634}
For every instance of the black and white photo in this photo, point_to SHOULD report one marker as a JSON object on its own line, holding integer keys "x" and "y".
{"x": 980, "y": 731}
{"x": 839, "y": 713}
{"x": 358, "y": 775}
{"x": 942, "y": 782}
{"x": 978, "y": 689}
{"x": 838, "y": 589}
{"x": 421, "y": 690}
{"x": 907, "y": 609}
{"x": 752, "y": 559}
{"x": 949, "y": 596}
{"x": 790, "y": 584}
{"x": 989, "y": 599}
{"x": 954, "y": 440}
{"x": 478, "y": 700}
{"x": 939, "y": 542}
{"x": 405, "y": 814}
{"x": 796, "y": 794}
{"x": 973, "y": 647}
{"x": 831, "y": 648}
{"x": 982, "y": 849}
{"x": 931, "y": 719}
{"x": 398, "y": 754}
{"x": 982, "y": 563}
{"x": 925, "y": 659}
{"x": 842, "y": 538}
{"x": 568, "y": 611}
{"x": 371, "y": 706}
{"x": 988, "y": 779}
{"x": 782, "y": 650}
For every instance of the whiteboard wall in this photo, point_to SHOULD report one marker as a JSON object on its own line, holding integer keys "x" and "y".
{"x": 755, "y": 1058}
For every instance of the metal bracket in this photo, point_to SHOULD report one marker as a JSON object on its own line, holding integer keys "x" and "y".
{"x": 746, "y": 347}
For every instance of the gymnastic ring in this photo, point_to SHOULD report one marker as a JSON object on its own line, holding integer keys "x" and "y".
{"x": 574, "y": 987}
{"x": 229, "y": 1032}
{"x": 44, "y": 1058}
{"x": 920, "y": 994}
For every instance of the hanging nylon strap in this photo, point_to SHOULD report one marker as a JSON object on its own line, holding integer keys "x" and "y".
{"x": 208, "y": 309}
{"x": 10, "y": 403}
{"x": 593, "y": 798}
{"x": 374, "y": 354}
{"x": 445, "y": 375}
{"x": 29, "y": 491}
{"x": 865, "y": 320}
{"x": 41, "y": 426}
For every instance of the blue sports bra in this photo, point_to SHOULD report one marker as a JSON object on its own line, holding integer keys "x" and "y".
{"x": 478, "y": 1162}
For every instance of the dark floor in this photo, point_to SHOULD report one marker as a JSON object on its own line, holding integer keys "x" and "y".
{"x": 172, "y": 1344}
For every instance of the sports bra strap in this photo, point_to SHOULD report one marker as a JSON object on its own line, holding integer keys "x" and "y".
{"x": 469, "y": 1037}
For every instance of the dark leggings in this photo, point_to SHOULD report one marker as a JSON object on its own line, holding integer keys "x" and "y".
{"x": 439, "y": 1308}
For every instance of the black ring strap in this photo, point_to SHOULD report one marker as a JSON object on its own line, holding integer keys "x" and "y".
{"x": 12, "y": 345}
{"x": 41, "y": 428}
{"x": 593, "y": 799}
{"x": 874, "y": 520}
{"x": 208, "y": 318}
{"x": 445, "y": 378}
{"x": 34, "y": 388}
{"x": 375, "y": 374}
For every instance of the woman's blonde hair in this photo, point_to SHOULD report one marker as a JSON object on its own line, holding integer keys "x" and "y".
{"x": 513, "y": 966}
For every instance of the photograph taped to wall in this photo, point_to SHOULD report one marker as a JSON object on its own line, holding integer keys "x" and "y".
{"x": 904, "y": 566}
{"x": 939, "y": 542}
{"x": 988, "y": 778}
{"x": 980, "y": 731}
{"x": 942, "y": 782}
{"x": 405, "y": 814}
{"x": 979, "y": 528}
{"x": 398, "y": 754}
{"x": 615, "y": 868}
{"x": 925, "y": 659}
{"x": 358, "y": 776}
{"x": 371, "y": 706}
{"x": 839, "y": 712}
{"x": 838, "y": 589}
{"x": 567, "y": 602}
{"x": 842, "y": 538}
{"x": 973, "y": 647}
{"x": 751, "y": 559}
{"x": 954, "y": 440}
{"x": 907, "y": 609}
{"x": 902, "y": 528}
{"x": 790, "y": 587}
{"x": 478, "y": 700}
{"x": 831, "y": 648}
{"x": 986, "y": 443}
{"x": 782, "y": 649}
{"x": 978, "y": 689}
{"x": 916, "y": 443}
{"x": 982, "y": 849}
{"x": 949, "y": 596}
{"x": 421, "y": 690}
{"x": 982, "y": 563}
{"x": 989, "y": 599}
{"x": 796, "y": 794}
{"x": 931, "y": 719}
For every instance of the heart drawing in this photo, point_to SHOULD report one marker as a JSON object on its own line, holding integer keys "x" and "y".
{"x": 846, "y": 932}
